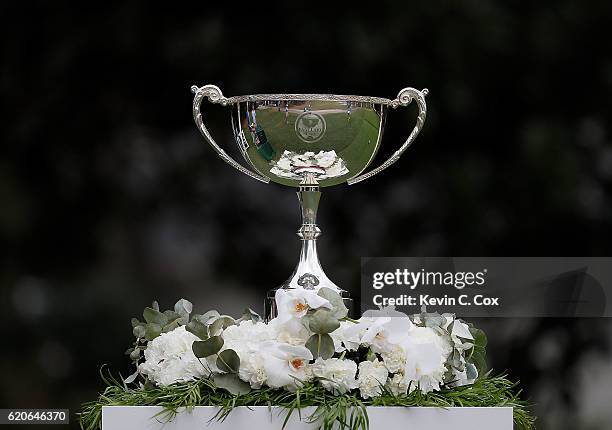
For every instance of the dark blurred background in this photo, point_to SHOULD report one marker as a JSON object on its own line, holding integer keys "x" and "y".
{"x": 110, "y": 198}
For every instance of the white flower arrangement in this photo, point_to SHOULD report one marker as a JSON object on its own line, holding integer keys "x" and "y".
{"x": 310, "y": 341}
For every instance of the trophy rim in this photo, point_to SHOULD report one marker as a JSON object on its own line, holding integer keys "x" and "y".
{"x": 309, "y": 97}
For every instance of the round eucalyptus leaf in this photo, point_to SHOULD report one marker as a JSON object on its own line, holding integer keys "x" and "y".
{"x": 183, "y": 308}
{"x": 136, "y": 322}
{"x": 221, "y": 323}
{"x": 321, "y": 345}
{"x": 171, "y": 326}
{"x": 208, "y": 347}
{"x": 139, "y": 331}
{"x": 339, "y": 310}
{"x": 231, "y": 383}
{"x": 322, "y": 321}
{"x": 197, "y": 328}
{"x": 152, "y": 330}
{"x": 135, "y": 355}
{"x": 154, "y": 316}
{"x": 228, "y": 361}
{"x": 206, "y": 317}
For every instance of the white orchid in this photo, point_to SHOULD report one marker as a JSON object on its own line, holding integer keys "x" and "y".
{"x": 337, "y": 375}
{"x": 295, "y": 303}
{"x": 426, "y": 353}
{"x": 383, "y": 333}
{"x": 286, "y": 366}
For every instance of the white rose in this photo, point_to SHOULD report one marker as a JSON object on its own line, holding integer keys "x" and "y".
{"x": 337, "y": 375}
{"x": 372, "y": 376}
{"x": 170, "y": 359}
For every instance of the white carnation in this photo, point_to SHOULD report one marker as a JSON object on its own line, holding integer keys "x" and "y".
{"x": 246, "y": 339}
{"x": 394, "y": 360}
{"x": 372, "y": 375}
{"x": 337, "y": 375}
{"x": 398, "y": 385}
{"x": 170, "y": 359}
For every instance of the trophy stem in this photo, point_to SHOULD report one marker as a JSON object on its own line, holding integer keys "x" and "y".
{"x": 308, "y": 274}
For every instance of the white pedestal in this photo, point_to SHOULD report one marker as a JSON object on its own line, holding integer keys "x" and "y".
{"x": 261, "y": 418}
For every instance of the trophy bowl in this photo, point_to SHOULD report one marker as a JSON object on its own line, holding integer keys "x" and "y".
{"x": 308, "y": 141}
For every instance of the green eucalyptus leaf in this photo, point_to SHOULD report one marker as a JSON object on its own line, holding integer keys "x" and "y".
{"x": 171, "y": 326}
{"x": 339, "y": 310}
{"x": 154, "y": 316}
{"x": 208, "y": 347}
{"x": 471, "y": 371}
{"x": 206, "y": 317}
{"x": 480, "y": 338}
{"x": 221, "y": 323}
{"x": 135, "y": 354}
{"x": 155, "y": 305}
{"x": 228, "y": 361}
{"x": 321, "y": 345}
{"x": 139, "y": 331}
{"x": 152, "y": 330}
{"x": 250, "y": 315}
{"x": 231, "y": 383}
{"x": 433, "y": 319}
{"x": 136, "y": 322}
{"x": 371, "y": 355}
{"x": 322, "y": 321}
{"x": 171, "y": 315}
{"x": 183, "y": 308}
{"x": 197, "y": 328}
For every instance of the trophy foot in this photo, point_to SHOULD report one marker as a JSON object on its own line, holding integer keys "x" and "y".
{"x": 308, "y": 274}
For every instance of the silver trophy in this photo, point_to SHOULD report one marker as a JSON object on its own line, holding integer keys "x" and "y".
{"x": 308, "y": 141}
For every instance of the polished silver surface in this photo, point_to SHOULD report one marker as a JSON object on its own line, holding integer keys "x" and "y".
{"x": 308, "y": 141}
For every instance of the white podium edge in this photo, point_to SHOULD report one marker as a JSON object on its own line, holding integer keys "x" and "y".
{"x": 262, "y": 417}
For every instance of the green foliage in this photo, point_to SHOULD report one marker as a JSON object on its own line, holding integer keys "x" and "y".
{"x": 228, "y": 361}
{"x": 321, "y": 321}
{"x": 208, "y": 347}
{"x": 339, "y": 310}
{"x": 343, "y": 411}
{"x": 478, "y": 354}
{"x": 321, "y": 345}
{"x": 232, "y": 383}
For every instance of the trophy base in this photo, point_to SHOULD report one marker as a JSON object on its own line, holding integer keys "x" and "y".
{"x": 270, "y": 310}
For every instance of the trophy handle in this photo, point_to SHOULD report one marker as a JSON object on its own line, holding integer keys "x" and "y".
{"x": 215, "y": 95}
{"x": 404, "y": 98}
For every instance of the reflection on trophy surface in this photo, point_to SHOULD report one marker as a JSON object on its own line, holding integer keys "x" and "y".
{"x": 308, "y": 141}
